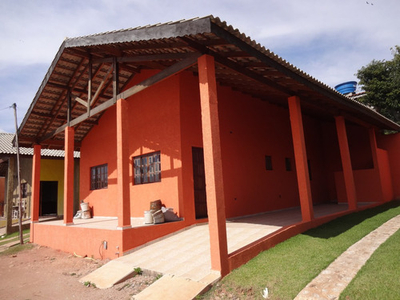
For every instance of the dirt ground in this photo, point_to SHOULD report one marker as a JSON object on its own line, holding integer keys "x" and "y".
{"x": 44, "y": 273}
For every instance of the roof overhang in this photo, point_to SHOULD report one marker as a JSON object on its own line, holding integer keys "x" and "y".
{"x": 88, "y": 73}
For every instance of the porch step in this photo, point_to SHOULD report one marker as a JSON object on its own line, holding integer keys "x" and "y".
{"x": 177, "y": 288}
{"x": 110, "y": 274}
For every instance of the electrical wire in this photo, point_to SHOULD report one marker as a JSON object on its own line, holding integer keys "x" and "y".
{"x": 6, "y": 108}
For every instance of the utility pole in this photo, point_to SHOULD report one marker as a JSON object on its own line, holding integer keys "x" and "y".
{"x": 21, "y": 239}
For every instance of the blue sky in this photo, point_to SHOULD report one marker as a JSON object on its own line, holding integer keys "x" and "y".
{"x": 330, "y": 40}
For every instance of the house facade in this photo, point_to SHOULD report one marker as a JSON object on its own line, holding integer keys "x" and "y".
{"x": 199, "y": 116}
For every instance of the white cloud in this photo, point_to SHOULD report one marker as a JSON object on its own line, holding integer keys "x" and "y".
{"x": 328, "y": 39}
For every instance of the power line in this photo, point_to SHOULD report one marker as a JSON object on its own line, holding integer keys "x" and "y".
{"x": 6, "y": 107}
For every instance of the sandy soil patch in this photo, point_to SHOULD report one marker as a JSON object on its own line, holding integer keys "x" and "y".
{"x": 44, "y": 273}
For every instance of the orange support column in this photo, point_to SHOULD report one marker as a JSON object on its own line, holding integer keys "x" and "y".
{"x": 69, "y": 176}
{"x": 374, "y": 151}
{"x": 346, "y": 163}
{"x": 374, "y": 147}
{"x": 35, "y": 188}
{"x": 213, "y": 165}
{"x": 300, "y": 155}
{"x": 124, "y": 215}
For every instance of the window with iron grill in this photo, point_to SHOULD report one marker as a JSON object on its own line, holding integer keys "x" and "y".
{"x": 99, "y": 177}
{"x": 147, "y": 168}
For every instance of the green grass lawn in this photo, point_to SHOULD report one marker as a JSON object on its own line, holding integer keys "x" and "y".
{"x": 379, "y": 278}
{"x": 12, "y": 237}
{"x": 288, "y": 267}
{"x": 16, "y": 249}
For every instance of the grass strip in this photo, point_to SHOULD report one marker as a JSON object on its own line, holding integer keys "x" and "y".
{"x": 13, "y": 237}
{"x": 378, "y": 278}
{"x": 288, "y": 267}
{"x": 16, "y": 249}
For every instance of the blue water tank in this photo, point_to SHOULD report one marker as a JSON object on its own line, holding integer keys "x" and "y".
{"x": 346, "y": 87}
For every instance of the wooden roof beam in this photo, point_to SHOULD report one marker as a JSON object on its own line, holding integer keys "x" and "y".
{"x": 236, "y": 67}
{"x": 162, "y": 75}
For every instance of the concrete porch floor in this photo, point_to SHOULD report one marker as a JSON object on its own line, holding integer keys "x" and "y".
{"x": 186, "y": 254}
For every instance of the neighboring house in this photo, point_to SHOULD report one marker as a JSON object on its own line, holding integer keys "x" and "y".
{"x": 51, "y": 179}
{"x": 200, "y": 116}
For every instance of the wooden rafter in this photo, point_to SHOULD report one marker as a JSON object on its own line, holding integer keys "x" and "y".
{"x": 99, "y": 88}
{"x": 162, "y": 75}
{"x": 236, "y": 67}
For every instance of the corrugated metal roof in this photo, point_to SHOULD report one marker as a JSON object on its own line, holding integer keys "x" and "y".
{"x": 6, "y": 147}
{"x": 242, "y": 64}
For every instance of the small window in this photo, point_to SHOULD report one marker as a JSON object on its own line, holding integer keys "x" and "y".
{"x": 268, "y": 162}
{"x": 288, "y": 164}
{"x": 147, "y": 168}
{"x": 99, "y": 177}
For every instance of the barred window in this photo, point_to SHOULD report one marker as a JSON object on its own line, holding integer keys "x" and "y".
{"x": 99, "y": 177}
{"x": 147, "y": 168}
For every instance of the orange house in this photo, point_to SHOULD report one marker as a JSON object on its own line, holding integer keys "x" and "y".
{"x": 200, "y": 116}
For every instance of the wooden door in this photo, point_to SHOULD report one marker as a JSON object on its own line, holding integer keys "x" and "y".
{"x": 199, "y": 180}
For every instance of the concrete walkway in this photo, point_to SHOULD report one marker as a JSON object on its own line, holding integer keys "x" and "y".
{"x": 335, "y": 278}
{"x": 184, "y": 257}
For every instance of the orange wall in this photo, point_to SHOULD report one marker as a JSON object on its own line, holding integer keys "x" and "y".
{"x": 78, "y": 240}
{"x": 367, "y": 186}
{"x": 391, "y": 143}
{"x": 99, "y": 147}
{"x": 191, "y": 136}
{"x": 167, "y": 118}
{"x": 384, "y": 170}
{"x": 361, "y": 158}
{"x": 89, "y": 241}
{"x": 154, "y": 126}
{"x": 251, "y": 129}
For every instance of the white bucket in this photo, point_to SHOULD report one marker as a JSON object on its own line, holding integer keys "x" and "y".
{"x": 148, "y": 217}
{"x": 84, "y": 206}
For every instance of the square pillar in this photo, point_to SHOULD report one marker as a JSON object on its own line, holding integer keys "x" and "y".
{"x": 346, "y": 163}
{"x": 123, "y": 199}
{"x": 377, "y": 167}
{"x": 35, "y": 183}
{"x": 300, "y": 155}
{"x": 35, "y": 198}
{"x": 69, "y": 175}
{"x": 213, "y": 165}
{"x": 374, "y": 147}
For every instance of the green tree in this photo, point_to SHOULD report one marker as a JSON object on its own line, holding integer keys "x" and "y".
{"x": 381, "y": 80}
